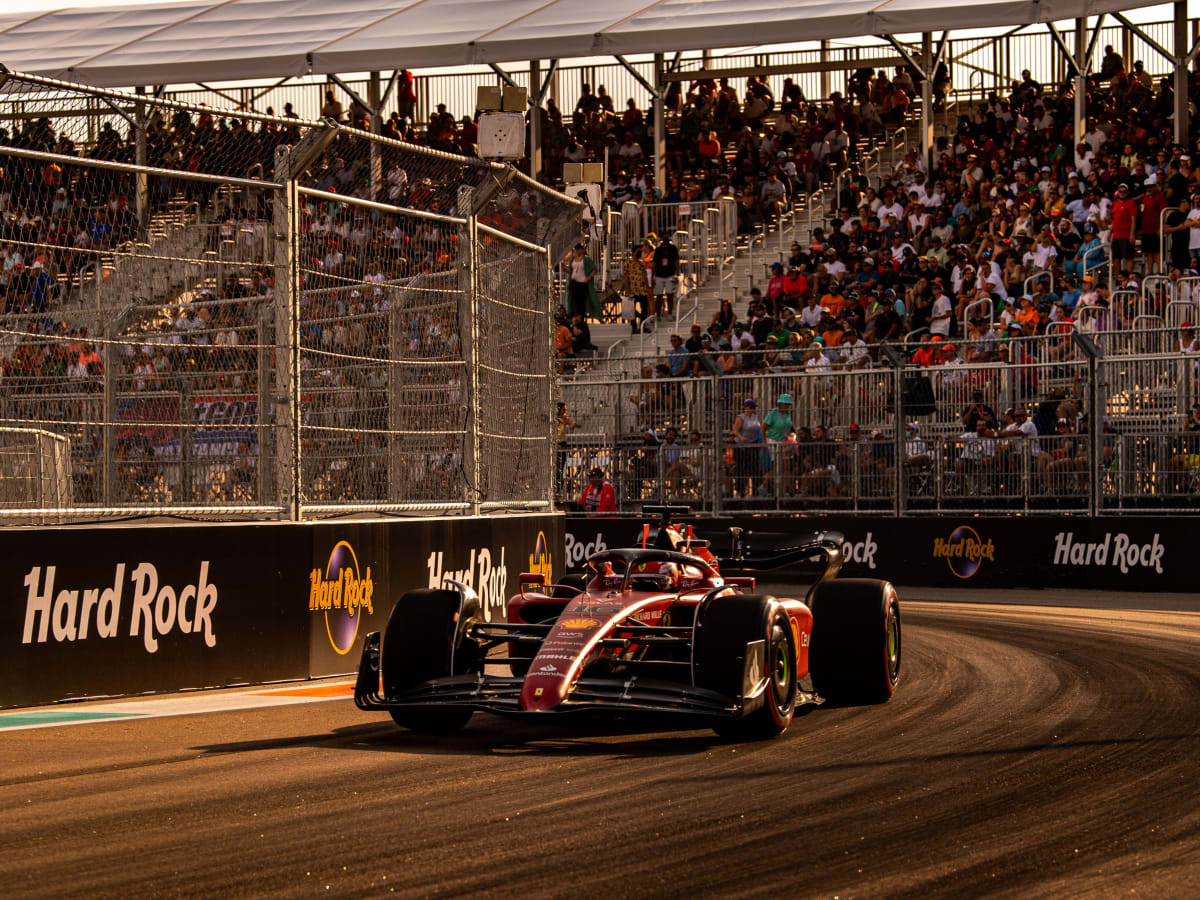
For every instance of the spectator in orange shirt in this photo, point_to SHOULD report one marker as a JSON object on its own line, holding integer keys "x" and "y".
{"x": 832, "y": 300}
{"x": 1027, "y": 315}
{"x": 926, "y": 353}
{"x": 564, "y": 340}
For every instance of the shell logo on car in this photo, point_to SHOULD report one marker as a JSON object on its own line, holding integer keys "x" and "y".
{"x": 578, "y": 624}
{"x": 341, "y": 592}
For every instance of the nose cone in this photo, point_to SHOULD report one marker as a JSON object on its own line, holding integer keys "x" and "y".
{"x": 553, "y": 669}
{"x": 543, "y": 691}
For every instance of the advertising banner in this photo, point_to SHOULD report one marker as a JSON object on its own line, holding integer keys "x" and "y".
{"x": 1129, "y": 553}
{"x": 109, "y": 611}
{"x": 93, "y": 612}
{"x": 360, "y": 571}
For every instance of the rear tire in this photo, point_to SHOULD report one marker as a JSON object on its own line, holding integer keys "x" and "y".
{"x": 727, "y": 625}
{"x": 424, "y": 641}
{"x": 855, "y": 654}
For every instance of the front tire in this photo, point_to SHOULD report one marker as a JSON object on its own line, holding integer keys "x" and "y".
{"x": 726, "y": 626}
{"x": 424, "y": 641}
{"x": 855, "y": 655}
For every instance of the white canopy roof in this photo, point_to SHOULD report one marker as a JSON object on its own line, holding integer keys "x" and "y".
{"x": 224, "y": 40}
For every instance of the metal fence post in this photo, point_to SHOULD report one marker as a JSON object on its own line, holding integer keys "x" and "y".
{"x": 287, "y": 340}
{"x": 187, "y": 447}
{"x": 1092, "y": 351}
{"x": 108, "y": 430}
{"x": 263, "y": 430}
{"x": 552, "y": 383}
{"x": 899, "y": 432}
{"x": 1095, "y": 437}
{"x": 900, "y": 437}
{"x": 395, "y": 381}
{"x": 468, "y": 249}
{"x": 717, "y": 463}
{"x": 142, "y": 185}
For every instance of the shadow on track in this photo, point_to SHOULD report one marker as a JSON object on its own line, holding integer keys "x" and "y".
{"x": 498, "y": 736}
{"x": 495, "y": 735}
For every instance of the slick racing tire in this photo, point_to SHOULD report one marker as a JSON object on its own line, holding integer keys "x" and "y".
{"x": 725, "y": 627}
{"x": 855, "y": 654}
{"x": 424, "y": 641}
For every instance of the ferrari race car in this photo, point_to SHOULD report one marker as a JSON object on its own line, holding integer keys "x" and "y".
{"x": 662, "y": 629}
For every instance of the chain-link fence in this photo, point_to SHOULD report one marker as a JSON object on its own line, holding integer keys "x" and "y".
{"x": 35, "y": 473}
{"x": 241, "y": 315}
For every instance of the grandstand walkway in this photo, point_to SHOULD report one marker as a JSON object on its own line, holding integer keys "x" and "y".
{"x": 621, "y": 353}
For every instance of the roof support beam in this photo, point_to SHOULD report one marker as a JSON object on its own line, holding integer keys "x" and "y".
{"x": 941, "y": 52}
{"x": 544, "y": 88}
{"x": 1178, "y": 59}
{"x": 387, "y": 93}
{"x": 256, "y": 97}
{"x": 905, "y": 55}
{"x": 659, "y": 93}
{"x": 1081, "y": 70}
{"x": 504, "y": 76}
{"x": 353, "y": 93}
{"x": 1091, "y": 47}
{"x": 637, "y": 76}
{"x": 535, "y": 119}
{"x": 782, "y": 69}
{"x": 1159, "y": 48}
{"x": 120, "y": 112}
{"x": 539, "y": 85}
{"x": 1182, "y": 108}
{"x": 234, "y": 100}
{"x": 927, "y": 62}
{"x": 1064, "y": 49}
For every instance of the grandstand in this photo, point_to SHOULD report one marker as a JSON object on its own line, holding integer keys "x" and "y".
{"x": 146, "y": 281}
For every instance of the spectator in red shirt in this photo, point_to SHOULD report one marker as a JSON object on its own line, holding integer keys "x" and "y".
{"x": 1154, "y": 201}
{"x": 599, "y": 495}
{"x": 1124, "y": 215}
{"x": 795, "y": 286}
{"x": 776, "y": 288}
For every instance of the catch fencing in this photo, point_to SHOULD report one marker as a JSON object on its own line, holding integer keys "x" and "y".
{"x": 676, "y": 439}
{"x": 240, "y": 316}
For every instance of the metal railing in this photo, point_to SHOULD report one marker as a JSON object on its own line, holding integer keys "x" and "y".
{"x": 674, "y": 439}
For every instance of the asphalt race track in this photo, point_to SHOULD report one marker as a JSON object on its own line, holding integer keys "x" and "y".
{"x": 1032, "y": 750}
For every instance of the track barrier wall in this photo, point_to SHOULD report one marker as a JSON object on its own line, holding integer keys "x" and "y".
{"x": 968, "y": 552}
{"x": 95, "y": 612}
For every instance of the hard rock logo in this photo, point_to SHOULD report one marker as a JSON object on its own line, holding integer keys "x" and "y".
{"x": 964, "y": 551}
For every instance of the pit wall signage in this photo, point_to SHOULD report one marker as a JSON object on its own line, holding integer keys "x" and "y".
{"x": 102, "y": 613}
{"x": 359, "y": 571}
{"x": 966, "y": 553}
{"x": 98, "y": 612}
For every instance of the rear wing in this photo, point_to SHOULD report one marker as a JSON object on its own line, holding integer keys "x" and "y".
{"x": 821, "y": 546}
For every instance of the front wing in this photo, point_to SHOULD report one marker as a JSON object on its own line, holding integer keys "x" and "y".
{"x": 631, "y": 695}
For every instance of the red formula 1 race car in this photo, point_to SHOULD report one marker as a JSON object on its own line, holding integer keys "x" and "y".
{"x": 664, "y": 629}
